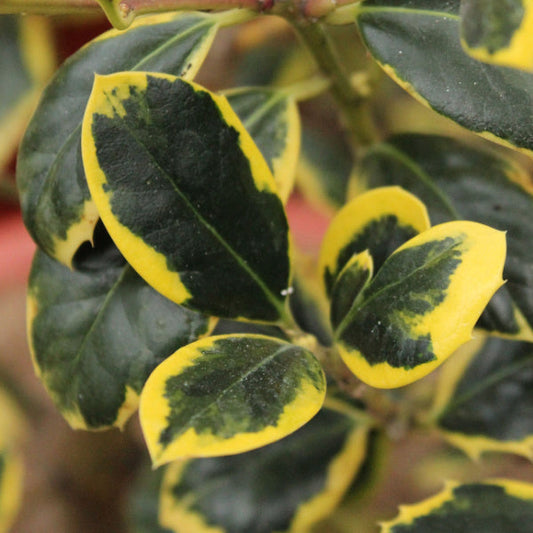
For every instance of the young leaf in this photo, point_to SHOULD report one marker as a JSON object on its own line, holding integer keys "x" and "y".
{"x": 482, "y": 401}
{"x": 26, "y": 62}
{"x": 56, "y": 204}
{"x": 271, "y": 117}
{"x": 228, "y": 394}
{"x": 455, "y": 182}
{"x": 95, "y": 336}
{"x": 422, "y": 304}
{"x": 499, "y": 32}
{"x": 286, "y": 486}
{"x": 379, "y": 220}
{"x": 494, "y": 506}
{"x": 351, "y": 281}
{"x": 190, "y": 202}
{"x": 408, "y": 38}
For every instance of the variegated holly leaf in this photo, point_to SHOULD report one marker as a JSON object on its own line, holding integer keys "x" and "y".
{"x": 11, "y": 476}
{"x": 286, "y": 486}
{"x": 483, "y": 399}
{"x": 271, "y": 117}
{"x": 456, "y": 181}
{"x": 493, "y": 506}
{"x": 378, "y": 221}
{"x": 96, "y": 335}
{"x": 408, "y": 39}
{"x": 26, "y": 62}
{"x": 422, "y": 304}
{"x": 228, "y": 394}
{"x": 56, "y": 204}
{"x": 191, "y": 203}
{"x": 499, "y": 31}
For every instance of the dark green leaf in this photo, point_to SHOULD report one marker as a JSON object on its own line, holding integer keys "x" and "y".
{"x": 202, "y": 222}
{"x": 56, "y": 203}
{"x": 286, "y": 486}
{"x": 97, "y": 335}
{"x": 495, "y": 506}
{"x": 228, "y": 394}
{"x": 455, "y": 182}
{"x": 485, "y": 405}
{"x": 418, "y": 44}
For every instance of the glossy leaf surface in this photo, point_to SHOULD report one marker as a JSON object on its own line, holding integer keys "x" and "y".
{"x": 486, "y": 398}
{"x": 499, "y": 31}
{"x": 422, "y": 304}
{"x": 285, "y": 486}
{"x": 378, "y": 221}
{"x": 458, "y": 182}
{"x": 271, "y": 117}
{"x": 408, "y": 37}
{"x": 96, "y": 336}
{"x": 202, "y": 222}
{"x": 228, "y": 394}
{"x": 495, "y": 506}
{"x": 56, "y": 204}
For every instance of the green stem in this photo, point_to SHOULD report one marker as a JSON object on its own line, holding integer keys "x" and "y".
{"x": 351, "y": 101}
{"x": 49, "y": 7}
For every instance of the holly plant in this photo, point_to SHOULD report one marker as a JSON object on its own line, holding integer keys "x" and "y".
{"x": 168, "y": 280}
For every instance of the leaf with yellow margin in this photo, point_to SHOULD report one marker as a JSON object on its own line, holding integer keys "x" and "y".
{"x": 228, "y": 394}
{"x": 489, "y": 100}
{"x": 482, "y": 399}
{"x": 287, "y": 486}
{"x": 499, "y": 31}
{"x": 190, "y": 202}
{"x": 379, "y": 221}
{"x": 95, "y": 336}
{"x": 459, "y": 182}
{"x": 56, "y": 205}
{"x": 492, "y": 506}
{"x": 422, "y": 304}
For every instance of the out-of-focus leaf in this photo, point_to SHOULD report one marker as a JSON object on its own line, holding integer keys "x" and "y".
{"x": 499, "y": 31}
{"x": 285, "y": 486}
{"x": 324, "y": 169}
{"x": 56, "y": 204}
{"x": 422, "y": 304}
{"x": 484, "y": 398}
{"x": 456, "y": 181}
{"x": 96, "y": 335}
{"x": 202, "y": 223}
{"x": 494, "y": 506}
{"x": 228, "y": 394}
{"x": 26, "y": 62}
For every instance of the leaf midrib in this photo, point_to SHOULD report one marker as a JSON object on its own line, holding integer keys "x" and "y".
{"x": 239, "y": 379}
